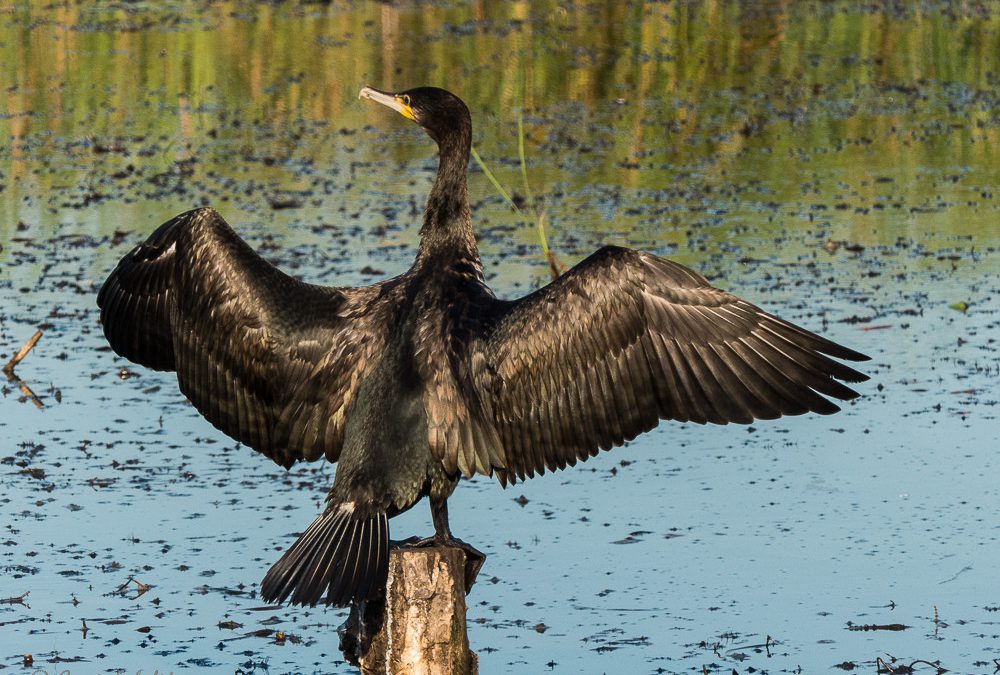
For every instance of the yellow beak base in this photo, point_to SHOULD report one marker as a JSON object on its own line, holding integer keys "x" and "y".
{"x": 389, "y": 100}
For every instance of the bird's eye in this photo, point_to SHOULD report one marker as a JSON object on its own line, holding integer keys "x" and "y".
{"x": 406, "y": 99}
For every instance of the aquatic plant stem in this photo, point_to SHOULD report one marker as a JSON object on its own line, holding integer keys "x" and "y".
{"x": 493, "y": 179}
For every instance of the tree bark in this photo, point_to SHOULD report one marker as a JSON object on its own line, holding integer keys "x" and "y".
{"x": 423, "y": 631}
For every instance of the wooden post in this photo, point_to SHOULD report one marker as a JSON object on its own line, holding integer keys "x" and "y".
{"x": 423, "y": 630}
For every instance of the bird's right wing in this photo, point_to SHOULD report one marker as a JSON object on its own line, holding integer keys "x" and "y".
{"x": 623, "y": 340}
{"x": 269, "y": 360}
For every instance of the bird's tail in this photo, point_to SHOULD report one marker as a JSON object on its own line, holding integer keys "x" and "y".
{"x": 342, "y": 554}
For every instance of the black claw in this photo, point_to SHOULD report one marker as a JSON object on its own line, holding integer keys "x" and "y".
{"x": 474, "y": 561}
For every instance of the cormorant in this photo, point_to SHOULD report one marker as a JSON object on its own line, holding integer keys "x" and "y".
{"x": 413, "y": 382}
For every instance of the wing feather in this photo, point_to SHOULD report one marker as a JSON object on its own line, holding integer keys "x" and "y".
{"x": 269, "y": 360}
{"x": 623, "y": 340}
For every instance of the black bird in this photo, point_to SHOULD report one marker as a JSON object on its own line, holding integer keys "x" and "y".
{"x": 414, "y": 382}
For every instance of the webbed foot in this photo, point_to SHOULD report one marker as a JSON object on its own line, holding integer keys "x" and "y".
{"x": 356, "y": 633}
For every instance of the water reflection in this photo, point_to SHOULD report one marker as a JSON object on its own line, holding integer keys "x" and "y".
{"x": 701, "y": 85}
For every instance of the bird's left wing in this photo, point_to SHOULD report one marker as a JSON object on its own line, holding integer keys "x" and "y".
{"x": 625, "y": 339}
{"x": 269, "y": 360}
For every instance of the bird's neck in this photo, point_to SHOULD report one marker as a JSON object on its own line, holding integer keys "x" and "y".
{"x": 447, "y": 229}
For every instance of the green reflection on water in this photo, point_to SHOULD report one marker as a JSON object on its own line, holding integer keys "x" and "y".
{"x": 867, "y": 124}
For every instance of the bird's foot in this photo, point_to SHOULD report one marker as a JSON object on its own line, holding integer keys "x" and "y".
{"x": 363, "y": 622}
{"x": 474, "y": 558}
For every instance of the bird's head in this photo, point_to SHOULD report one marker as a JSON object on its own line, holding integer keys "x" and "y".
{"x": 440, "y": 113}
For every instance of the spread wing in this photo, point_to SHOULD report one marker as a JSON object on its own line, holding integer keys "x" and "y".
{"x": 625, "y": 339}
{"x": 269, "y": 360}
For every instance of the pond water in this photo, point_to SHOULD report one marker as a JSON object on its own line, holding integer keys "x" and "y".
{"x": 836, "y": 164}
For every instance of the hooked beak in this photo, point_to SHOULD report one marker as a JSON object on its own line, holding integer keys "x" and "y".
{"x": 398, "y": 102}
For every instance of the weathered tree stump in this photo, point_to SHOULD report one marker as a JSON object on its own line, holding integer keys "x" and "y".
{"x": 423, "y": 630}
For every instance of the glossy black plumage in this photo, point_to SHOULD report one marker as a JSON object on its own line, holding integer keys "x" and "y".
{"x": 415, "y": 381}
